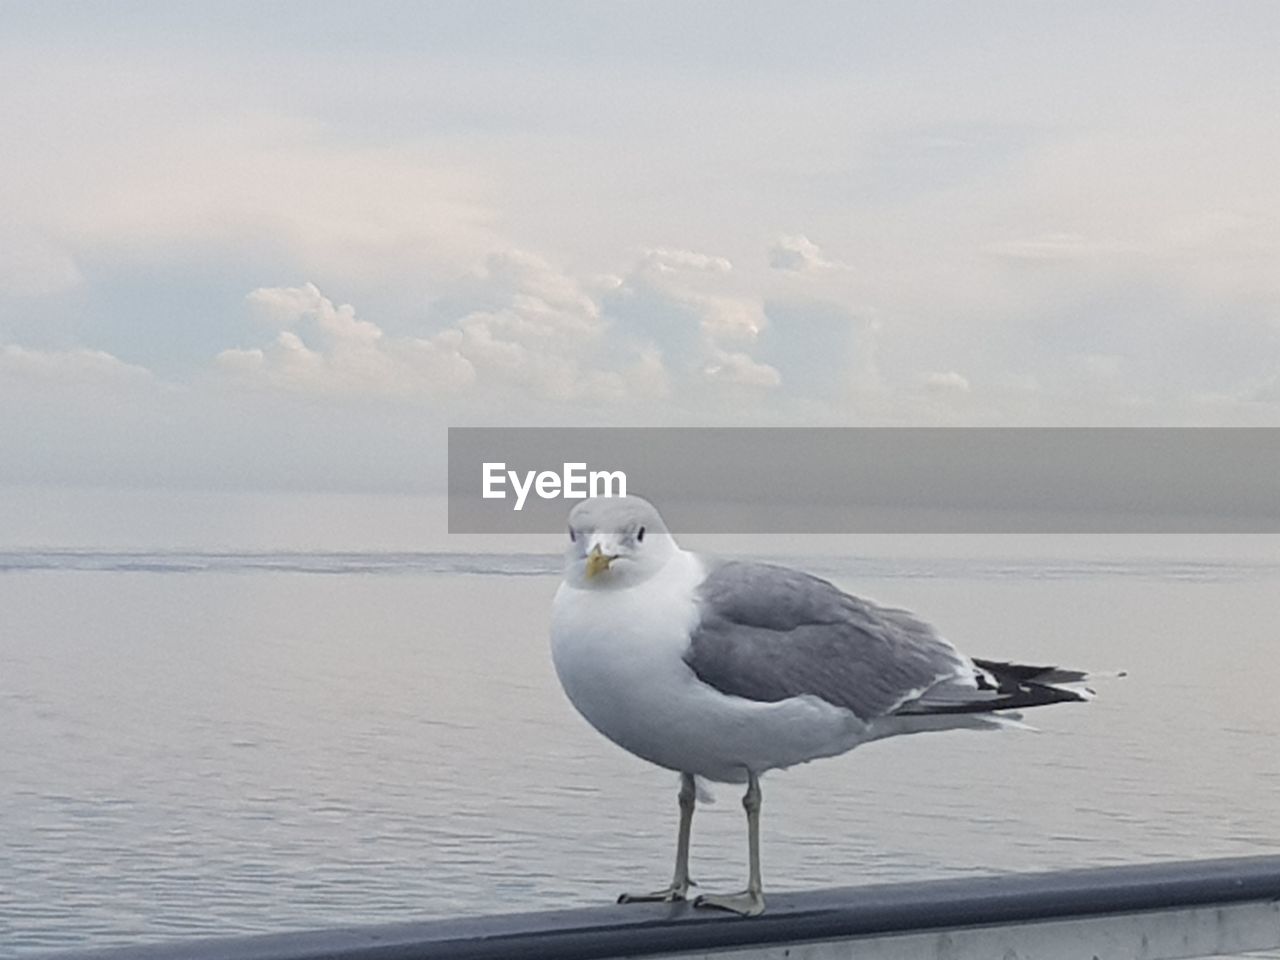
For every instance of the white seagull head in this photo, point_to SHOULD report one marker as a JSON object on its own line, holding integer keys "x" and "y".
{"x": 616, "y": 542}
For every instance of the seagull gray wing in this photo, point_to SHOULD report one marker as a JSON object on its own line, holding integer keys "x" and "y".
{"x": 770, "y": 633}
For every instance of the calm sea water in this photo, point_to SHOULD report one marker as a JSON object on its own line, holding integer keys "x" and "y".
{"x": 200, "y": 743}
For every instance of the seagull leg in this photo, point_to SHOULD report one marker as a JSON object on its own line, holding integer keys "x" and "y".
{"x": 750, "y": 902}
{"x": 680, "y": 882}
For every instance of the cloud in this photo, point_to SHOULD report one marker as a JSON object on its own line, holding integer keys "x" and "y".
{"x": 529, "y": 329}
{"x": 516, "y": 327}
{"x": 1060, "y": 247}
{"x": 796, "y": 253}
{"x": 663, "y": 260}
{"x": 531, "y": 299}
{"x": 696, "y": 313}
{"x": 645, "y": 380}
{"x": 739, "y": 369}
{"x": 79, "y": 366}
{"x": 948, "y": 382}
{"x": 325, "y": 348}
{"x": 730, "y": 319}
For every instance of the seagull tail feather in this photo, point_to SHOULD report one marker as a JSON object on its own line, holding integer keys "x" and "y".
{"x": 1002, "y": 685}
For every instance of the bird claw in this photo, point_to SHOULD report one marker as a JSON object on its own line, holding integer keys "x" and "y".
{"x": 748, "y": 903}
{"x": 672, "y": 894}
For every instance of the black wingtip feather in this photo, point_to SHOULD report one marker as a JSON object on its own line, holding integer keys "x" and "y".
{"x": 1020, "y": 685}
{"x": 1026, "y": 673}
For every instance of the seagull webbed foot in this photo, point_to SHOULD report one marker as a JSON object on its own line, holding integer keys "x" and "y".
{"x": 675, "y": 893}
{"x": 748, "y": 903}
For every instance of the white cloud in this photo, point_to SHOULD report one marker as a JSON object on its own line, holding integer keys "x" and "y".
{"x": 664, "y": 260}
{"x": 519, "y": 327}
{"x": 325, "y": 348}
{"x": 1060, "y": 247}
{"x": 535, "y": 299}
{"x": 718, "y": 315}
{"x": 739, "y": 369}
{"x": 533, "y": 330}
{"x": 796, "y": 253}
{"x": 646, "y": 380}
{"x": 730, "y": 319}
{"x": 947, "y": 382}
{"x": 288, "y": 306}
{"x": 76, "y": 366}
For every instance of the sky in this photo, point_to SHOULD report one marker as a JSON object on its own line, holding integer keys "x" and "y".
{"x": 284, "y": 246}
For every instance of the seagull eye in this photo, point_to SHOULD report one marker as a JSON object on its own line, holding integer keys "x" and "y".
{"x": 640, "y": 535}
{"x": 573, "y": 537}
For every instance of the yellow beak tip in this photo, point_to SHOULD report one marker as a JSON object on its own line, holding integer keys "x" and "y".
{"x": 597, "y": 562}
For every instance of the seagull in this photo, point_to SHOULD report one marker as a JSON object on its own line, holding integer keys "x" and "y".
{"x": 725, "y": 669}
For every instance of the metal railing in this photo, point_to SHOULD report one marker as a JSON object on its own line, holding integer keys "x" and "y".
{"x": 1159, "y": 910}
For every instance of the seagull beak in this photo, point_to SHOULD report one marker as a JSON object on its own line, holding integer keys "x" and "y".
{"x": 597, "y": 560}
